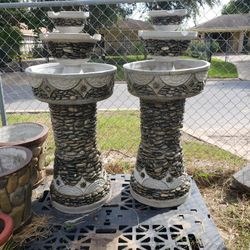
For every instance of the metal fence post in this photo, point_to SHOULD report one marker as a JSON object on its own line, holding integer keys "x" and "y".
{"x": 2, "y": 108}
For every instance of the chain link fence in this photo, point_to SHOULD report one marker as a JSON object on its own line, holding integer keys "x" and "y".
{"x": 220, "y": 115}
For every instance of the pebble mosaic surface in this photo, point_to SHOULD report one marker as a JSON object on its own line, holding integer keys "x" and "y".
{"x": 70, "y": 50}
{"x": 76, "y": 158}
{"x": 15, "y": 195}
{"x": 160, "y": 152}
{"x": 166, "y": 47}
{"x": 167, "y": 20}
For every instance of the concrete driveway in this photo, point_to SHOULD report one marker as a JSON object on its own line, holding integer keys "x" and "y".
{"x": 242, "y": 62}
{"x": 220, "y": 115}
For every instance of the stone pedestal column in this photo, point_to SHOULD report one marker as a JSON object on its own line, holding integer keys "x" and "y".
{"x": 159, "y": 178}
{"x": 79, "y": 182}
{"x": 159, "y": 173}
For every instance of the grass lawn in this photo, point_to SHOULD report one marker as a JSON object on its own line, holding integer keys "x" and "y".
{"x": 211, "y": 167}
{"x": 218, "y": 69}
{"x": 222, "y": 69}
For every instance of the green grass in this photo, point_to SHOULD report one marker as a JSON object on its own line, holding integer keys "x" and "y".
{"x": 120, "y": 130}
{"x": 118, "y": 61}
{"x": 218, "y": 68}
{"x": 222, "y": 69}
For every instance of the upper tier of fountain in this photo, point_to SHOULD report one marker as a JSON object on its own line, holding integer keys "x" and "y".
{"x": 68, "y": 41}
{"x": 167, "y": 39}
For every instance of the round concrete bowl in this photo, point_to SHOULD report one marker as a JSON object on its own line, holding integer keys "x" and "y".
{"x": 16, "y": 184}
{"x": 164, "y": 80}
{"x": 56, "y": 83}
{"x": 70, "y": 45}
{"x": 31, "y": 135}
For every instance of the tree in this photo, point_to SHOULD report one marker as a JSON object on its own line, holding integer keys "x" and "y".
{"x": 192, "y": 6}
{"x": 10, "y": 35}
{"x": 236, "y": 7}
{"x": 105, "y": 15}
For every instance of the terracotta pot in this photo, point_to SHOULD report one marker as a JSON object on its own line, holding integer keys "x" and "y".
{"x": 31, "y": 135}
{"x": 16, "y": 183}
{"x": 6, "y": 229}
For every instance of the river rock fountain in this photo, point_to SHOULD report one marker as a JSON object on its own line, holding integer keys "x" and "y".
{"x": 72, "y": 87}
{"x": 163, "y": 84}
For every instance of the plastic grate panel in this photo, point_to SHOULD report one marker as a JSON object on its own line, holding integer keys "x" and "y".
{"x": 125, "y": 224}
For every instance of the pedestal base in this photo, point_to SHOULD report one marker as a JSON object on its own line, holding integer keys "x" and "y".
{"x": 159, "y": 203}
{"x": 82, "y": 209}
{"x": 159, "y": 178}
{"x": 80, "y": 185}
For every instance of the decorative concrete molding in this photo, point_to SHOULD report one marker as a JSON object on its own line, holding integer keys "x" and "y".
{"x": 82, "y": 188}
{"x": 87, "y": 82}
{"x": 164, "y": 184}
{"x": 168, "y": 81}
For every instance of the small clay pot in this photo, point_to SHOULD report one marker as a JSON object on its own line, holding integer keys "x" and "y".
{"x": 31, "y": 135}
{"x": 6, "y": 229}
{"x": 16, "y": 184}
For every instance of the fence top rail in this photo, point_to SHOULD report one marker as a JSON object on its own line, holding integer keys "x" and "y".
{"x": 69, "y": 3}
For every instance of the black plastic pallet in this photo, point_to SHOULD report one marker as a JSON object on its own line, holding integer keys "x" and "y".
{"x": 125, "y": 224}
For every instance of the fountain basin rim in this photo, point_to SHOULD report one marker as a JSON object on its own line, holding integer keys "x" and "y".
{"x": 69, "y": 29}
{"x": 136, "y": 67}
{"x": 171, "y": 27}
{"x": 39, "y": 71}
{"x": 163, "y": 13}
{"x": 167, "y": 35}
{"x": 29, "y": 156}
{"x": 68, "y": 14}
{"x": 41, "y": 136}
{"x": 70, "y": 37}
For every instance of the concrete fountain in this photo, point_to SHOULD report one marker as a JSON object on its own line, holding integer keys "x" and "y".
{"x": 163, "y": 84}
{"x": 72, "y": 87}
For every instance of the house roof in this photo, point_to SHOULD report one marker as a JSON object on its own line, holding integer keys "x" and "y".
{"x": 133, "y": 24}
{"x": 234, "y": 22}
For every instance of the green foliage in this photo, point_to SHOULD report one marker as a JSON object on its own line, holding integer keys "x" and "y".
{"x": 105, "y": 15}
{"x": 10, "y": 35}
{"x": 236, "y": 7}
{"x": 221, "y": 69}
{"x": 203, "y": 49}
{"x": 192, "y": 6}
{"x": 138, "y": 49}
